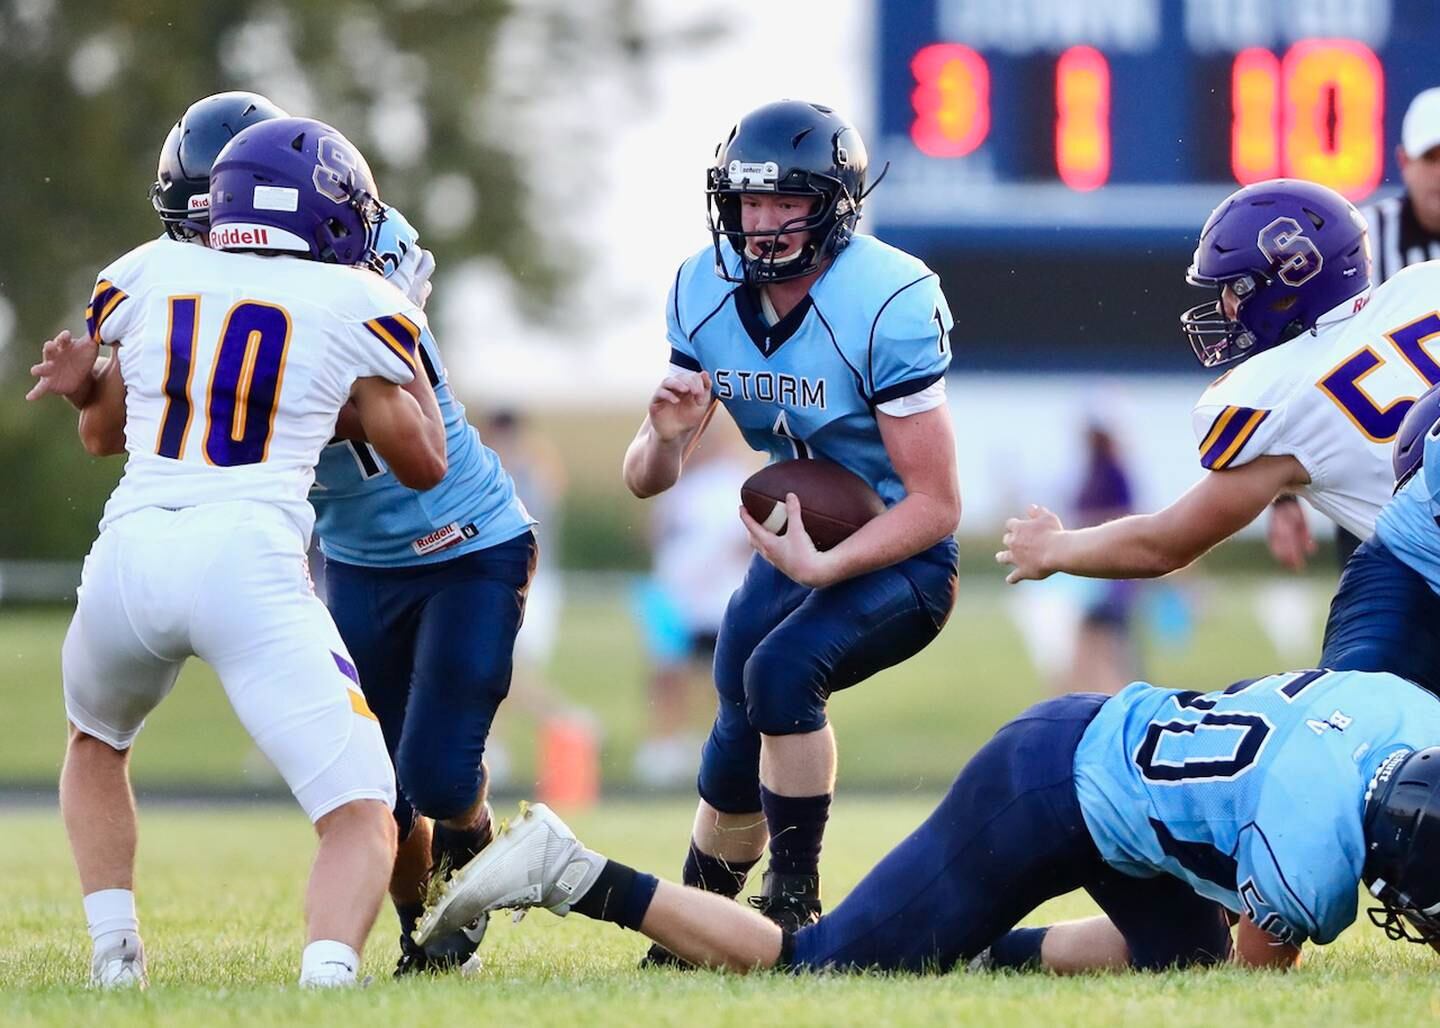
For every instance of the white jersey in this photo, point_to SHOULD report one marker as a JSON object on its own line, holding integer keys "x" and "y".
{"x": 235, "y": 368}
{"x": 1333, "y": 398}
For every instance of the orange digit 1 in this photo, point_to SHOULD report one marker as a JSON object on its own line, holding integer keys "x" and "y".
{"x": 1082, "y": 124}
{"x": 951, "y": 100}
{"x": 1255, "y": 128}
{"x": 1332, "y": 117}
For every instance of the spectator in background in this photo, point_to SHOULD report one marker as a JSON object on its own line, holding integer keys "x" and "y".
{"x": 1104, "y": 656}
{"x": 1404, "y": 230}
{"x": 700, "y": 551}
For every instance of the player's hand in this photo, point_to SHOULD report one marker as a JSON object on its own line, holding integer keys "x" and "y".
{"x": 679, "y": 403}
{"x": 793, "y": 554}
{"x": 412, "y": 275}
{"x": 1288, "y": 534}
{"x": 1027, "y": 541}
{"x": 64, "y": 368}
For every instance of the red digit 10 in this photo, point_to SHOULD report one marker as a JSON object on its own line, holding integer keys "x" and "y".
{"x": 1315, "y": 115}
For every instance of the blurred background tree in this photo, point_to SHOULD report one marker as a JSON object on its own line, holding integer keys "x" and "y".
{"x": 428, "y": 89}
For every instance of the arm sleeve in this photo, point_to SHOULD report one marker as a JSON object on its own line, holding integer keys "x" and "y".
{"x": 388, "y": 346}
{"x": 1313, "y": 896}
{"x": 682, "y": 353}
{"x": 909, "y": 347}
{"x": 1232, "y": 435}
{"x": 108, "y": 314}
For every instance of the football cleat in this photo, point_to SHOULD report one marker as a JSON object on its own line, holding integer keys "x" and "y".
{"x": 791, "y": 901}
{"x": 120, "y": 965}
{"x": 455, "y": 951}
{"x": 658, "y": 956}
{"x": 535, "y": 861}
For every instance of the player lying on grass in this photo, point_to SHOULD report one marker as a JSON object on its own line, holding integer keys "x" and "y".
{"x": 1274, "y": 799}
{"x": 1290, "y": 263}
{"x": 427, "y": 589}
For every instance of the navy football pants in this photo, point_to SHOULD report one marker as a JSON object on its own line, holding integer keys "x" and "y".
{"x": 1384, "y": 617}
{"x": 1008, "y": 836}
{"x": 433, "y": 644}
{"x": 784, "y": 648}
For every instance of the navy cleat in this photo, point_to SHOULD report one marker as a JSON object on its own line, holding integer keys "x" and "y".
{"x": 791, "y": 901}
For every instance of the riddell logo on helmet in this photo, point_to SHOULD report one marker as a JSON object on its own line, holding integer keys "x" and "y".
{"x": 220, "y": 238}
{"x": 200, "y": 202}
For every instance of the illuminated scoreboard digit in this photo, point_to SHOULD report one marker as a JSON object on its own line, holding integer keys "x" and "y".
{"x": 1135, "y": 115}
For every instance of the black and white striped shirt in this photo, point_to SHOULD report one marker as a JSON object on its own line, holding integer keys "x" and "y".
{"x": 1396, "y": 238}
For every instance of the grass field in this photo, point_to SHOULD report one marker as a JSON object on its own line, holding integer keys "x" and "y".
{"x": 220, "y": 888}
{"x": 908, "y": 728}
{"x": 220, "y": 905}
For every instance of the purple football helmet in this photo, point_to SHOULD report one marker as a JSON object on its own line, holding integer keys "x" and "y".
{"x": 1290, "y": 251}
{"x": 1409, "y": 452}
{"x": 295, "y": 185}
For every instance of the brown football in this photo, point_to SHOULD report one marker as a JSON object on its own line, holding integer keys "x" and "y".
{"x": 833, "y": 501}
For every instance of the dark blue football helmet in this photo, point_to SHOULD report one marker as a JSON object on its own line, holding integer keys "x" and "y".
{"x": 796, "y": 148}
{"x": 181, "y": 193}
{"x": 1290, "y": 251}
{"x": 1420, "y": 419}
{"x": 1402, "y": 845}
{"x": 295, "y": 185}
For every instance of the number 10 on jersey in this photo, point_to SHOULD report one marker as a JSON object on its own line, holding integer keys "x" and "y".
{"x": 245, "y": 379}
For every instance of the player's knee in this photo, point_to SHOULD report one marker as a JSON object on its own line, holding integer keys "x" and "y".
{"x": 368, "y": 823}
{"x": 436, "y": 783}
{"x": 729, "y": 778}
{"x": 784, "y": 692}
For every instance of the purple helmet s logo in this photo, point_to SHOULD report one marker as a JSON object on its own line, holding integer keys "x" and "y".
{"x": 1279, "y": 255}
{"x": 302, "y": 181}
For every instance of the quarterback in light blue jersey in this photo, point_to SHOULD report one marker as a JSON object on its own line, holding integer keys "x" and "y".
{"x": 820, "y": 344}
{"x": 1274, "y": 799}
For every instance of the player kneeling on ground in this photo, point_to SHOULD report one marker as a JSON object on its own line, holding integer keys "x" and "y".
{"x": 1302, "y": 786}
{"x": 202, "y": 545}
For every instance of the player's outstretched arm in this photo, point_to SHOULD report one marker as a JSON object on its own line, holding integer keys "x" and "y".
{"x": 1260, "y": 949}
{"x": 1150, "y": 545}
{"x": 102, "y": 418}
{"x": 676, "y": 414}
{"x": 405, "y": 426}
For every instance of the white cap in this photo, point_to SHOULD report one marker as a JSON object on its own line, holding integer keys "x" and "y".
{"x": 1420, "y": 131}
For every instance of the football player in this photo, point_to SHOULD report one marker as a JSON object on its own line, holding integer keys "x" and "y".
{"x": 427, "y": 590}
{"x": 1321, "y": 374}
{"x": 820, "y": 343}
{"x": 1301, "y": 787}
{"x": 202, "y": 545}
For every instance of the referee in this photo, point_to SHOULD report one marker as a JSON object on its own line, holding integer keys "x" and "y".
{"x": 1404, "y": 230}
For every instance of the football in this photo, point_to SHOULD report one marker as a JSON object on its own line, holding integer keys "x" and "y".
{"x": 833, "y": 501}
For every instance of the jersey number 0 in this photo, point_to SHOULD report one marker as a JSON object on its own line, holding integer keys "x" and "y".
{"x": 245, "y": 378}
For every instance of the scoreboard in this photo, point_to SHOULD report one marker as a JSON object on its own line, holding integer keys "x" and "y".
{"x": 1132, "y": 118}
{"x": 1053, "y": 160}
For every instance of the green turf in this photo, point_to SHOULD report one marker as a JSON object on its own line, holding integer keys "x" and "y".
{"x": 220, "y": 895}
{"x": 908, "y": 727}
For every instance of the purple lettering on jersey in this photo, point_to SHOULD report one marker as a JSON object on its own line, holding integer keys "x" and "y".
{"x": 245, "y": 383}
{"x": 179, "y": 367}
{"x": 1343, "y": 385}
{"x": 1410, "y": 340}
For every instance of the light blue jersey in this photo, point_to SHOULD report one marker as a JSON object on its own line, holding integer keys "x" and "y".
{"x": 364, "y": 516}
{"x": 875, "y": 327}
{"x": 1254, "y": 796}
{"x": 1407, "y": 524}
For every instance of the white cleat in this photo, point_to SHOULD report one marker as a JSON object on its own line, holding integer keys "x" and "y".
{"x": 535, "y": 861}
{"x": 120, "y": 965}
